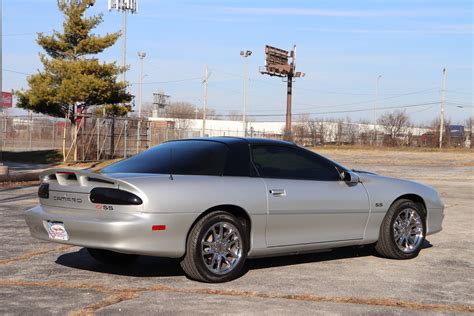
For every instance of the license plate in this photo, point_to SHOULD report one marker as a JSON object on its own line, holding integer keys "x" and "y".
{"x": 56, "y": 230}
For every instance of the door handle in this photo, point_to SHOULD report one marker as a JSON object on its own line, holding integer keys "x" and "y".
{"x": 277, "y": 192}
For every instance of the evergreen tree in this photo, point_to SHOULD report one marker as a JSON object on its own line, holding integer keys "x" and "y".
{"x": 72, "y": 76}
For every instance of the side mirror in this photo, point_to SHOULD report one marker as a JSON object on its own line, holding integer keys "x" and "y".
{"x": 350, "y": 177}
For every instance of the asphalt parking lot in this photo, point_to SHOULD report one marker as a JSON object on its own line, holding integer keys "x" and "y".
{"x": 43, "y": 278}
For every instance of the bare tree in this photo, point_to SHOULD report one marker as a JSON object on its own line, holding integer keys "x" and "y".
{"x": 468, "y": 128}
{"x": 468, "y": 123}
{"x": 234, "y": 115}
{"x": 435, "y": 126}
{"x": 339, "y": 131}
{"x": 300, "y": 130}
{"x": 352, "y": 131}
{"x": 211, "y": 114}
{"x": 313, "y": 131}
{"x": 365, "y": 131}
{"x": 180, "y": 110}
{"x": 396, "y": 125}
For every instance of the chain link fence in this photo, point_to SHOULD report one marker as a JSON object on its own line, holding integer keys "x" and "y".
{"x": 93, "y": 138}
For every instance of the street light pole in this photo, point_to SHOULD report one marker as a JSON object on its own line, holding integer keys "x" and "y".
{"x": 124, "y": 6}
{"x": 141, "y": 56}
{"x": 441, "y": 119}
{"x": 245, "y": 54}
{"x": 206, "y": 78}
{"x": 124, "y": 42}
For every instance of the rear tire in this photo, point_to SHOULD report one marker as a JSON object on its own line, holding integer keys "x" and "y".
{"x": 403, "y": 231}
{"x": 112, "y": 258}
{"x": 216, "y": 248}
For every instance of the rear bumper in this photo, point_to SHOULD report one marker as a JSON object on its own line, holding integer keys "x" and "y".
{"x": 117, "y": 231}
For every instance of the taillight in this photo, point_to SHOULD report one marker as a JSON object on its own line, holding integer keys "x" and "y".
{"x": 43, "y": 190}
{"x": 114, "y": 196}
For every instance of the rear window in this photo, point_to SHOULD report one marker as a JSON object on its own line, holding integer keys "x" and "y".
{"x": 179, "y": 157}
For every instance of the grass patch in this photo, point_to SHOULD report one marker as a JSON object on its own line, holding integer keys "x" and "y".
{"x": 387, "y": 148}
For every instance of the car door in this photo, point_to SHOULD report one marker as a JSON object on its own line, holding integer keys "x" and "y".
{"x": 307, "y": 200}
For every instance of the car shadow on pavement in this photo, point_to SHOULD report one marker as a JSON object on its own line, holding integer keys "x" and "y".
{"x": 146, "y": 266}
{"x": 324, "y": 255}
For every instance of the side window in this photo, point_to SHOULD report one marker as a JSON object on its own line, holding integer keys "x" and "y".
{"x": 198, "y": 158}
{"x": 292, "y": 163}
{"x": 178, "y": 157}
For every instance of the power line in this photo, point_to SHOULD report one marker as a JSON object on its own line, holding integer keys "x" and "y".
{"x": 320, "y": 113}
{"x": 325, "y": 91}
{"x": 459, "y": 92}
{"x": 311, "y": 106}
{"x": 368, "y": 101}
{"x": 461, "y": 105}
{"x": 133, "y": 83}
{"x": 422, "y": 110}
{"x": 15, "y": 72}
{"x": 459, "y": 102}
{"x": 352, "y": 111}
{"x": 170, "y": 81}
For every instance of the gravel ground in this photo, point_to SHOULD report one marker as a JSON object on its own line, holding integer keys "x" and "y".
{"x": 44, "y": 278}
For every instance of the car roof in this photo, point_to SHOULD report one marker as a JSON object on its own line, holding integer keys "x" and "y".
{"x": 229, "y": 140}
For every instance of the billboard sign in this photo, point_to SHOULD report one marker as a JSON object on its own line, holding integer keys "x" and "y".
{"x": 275, "y": 56}
{"x": 276, "y": 62}
{"x": 7, "y": 100}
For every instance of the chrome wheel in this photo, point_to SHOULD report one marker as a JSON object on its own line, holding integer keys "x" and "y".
{"x": 408, "y": 230}
{"x": 221, "y": 248}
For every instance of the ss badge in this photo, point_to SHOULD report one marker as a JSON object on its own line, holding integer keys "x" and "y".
{"x": 378, "y": 204}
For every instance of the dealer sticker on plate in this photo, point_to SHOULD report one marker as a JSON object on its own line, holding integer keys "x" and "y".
{"x": 56, "y": 230}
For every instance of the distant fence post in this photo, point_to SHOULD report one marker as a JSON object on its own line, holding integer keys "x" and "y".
{"x": 30, "y": 127}
{"x": 98, "y": 138}
{"x": 54, "y": 134}
{"x": 5, "y": 122}
{"x": 125, "y": 139}
{"x": 138, "y": 135}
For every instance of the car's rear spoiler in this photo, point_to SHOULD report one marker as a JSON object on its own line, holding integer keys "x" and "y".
{"x": 81, "y": 177}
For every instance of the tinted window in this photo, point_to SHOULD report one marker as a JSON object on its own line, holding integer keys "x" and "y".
{"x": 179, "y": 157}
{"x": 292, "y": 163}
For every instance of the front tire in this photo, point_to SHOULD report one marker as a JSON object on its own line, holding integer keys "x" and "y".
{"x": 403, "y": 231}
{"x": 216, "y": 248}
{"x": 111, "y": 258}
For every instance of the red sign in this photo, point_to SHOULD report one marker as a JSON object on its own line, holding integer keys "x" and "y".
{"x": 7, "y": 99}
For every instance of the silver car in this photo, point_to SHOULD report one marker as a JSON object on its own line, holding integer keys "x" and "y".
{"x": 214, "y": 202}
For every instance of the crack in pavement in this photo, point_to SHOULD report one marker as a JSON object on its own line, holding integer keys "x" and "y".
{"x": 119, "y": 295}
{"x": 34, "y": 253}
{"x": 108, "y": 301}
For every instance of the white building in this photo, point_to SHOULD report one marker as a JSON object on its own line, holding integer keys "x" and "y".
{"x": 215, "y": 128}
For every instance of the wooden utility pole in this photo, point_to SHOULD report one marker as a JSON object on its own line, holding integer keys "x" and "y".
{"x": 206, "y": 77}
{"x": 441, "y": 120}
{"x": 288, "y": 107}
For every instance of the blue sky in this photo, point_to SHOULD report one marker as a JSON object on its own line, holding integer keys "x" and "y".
{"x": 342, "y": 47}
